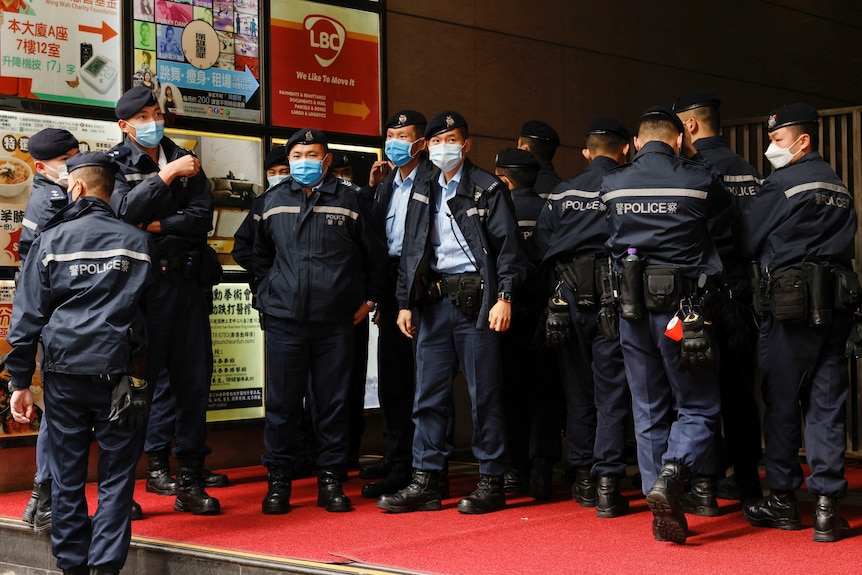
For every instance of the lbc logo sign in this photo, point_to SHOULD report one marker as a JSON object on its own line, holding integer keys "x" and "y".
{"x": 326, "y": 37}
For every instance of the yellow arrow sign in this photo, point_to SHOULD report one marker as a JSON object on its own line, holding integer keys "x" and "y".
{"x": 350, "y": 109}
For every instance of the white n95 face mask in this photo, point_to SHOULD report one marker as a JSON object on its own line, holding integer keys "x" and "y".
{"x": 778, "y": 156}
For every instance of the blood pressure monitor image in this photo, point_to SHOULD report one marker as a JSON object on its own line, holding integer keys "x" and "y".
{"x": 99, "y": 72}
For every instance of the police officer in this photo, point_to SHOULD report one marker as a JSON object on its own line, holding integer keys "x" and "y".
{"x": 542, "y": 141}
{"x": 801, "y": 230}
{"x": 82, "y": 289}
{"x": 460, "y": 265}
{"x": 163, "y": 189}
{"x": 532, "y": 396}
{"x": 405, "y": 149}
{"x": 572, "y": 233}
{"x": 657, "y": 208}
{"x": 342, "y": 167}
{"x": 734, "y": 321}
{"x": 321, "y": 262}
{"x": 49, "y": 148}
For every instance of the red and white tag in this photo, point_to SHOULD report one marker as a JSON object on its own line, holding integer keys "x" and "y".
{"x": 674, "y": 328}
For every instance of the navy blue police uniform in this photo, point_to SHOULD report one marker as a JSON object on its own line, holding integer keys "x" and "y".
{"x": 735, "y": 331}
{"x": 81, "y": 289}
{"x": 658, "y": 205}
{"x": 804, "y": 215}
{"x": 318, "y": 257}
{"x": 532, "y": 395}
{"x": 547, "y": 178}
{"x": 180, "y": 355}
{"x": 573, "y": 228}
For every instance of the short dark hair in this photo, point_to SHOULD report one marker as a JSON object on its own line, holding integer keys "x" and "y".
{"x": 607, "y": 143}
{"x": 521, "y": 177}
{"x": 657, "y": 128}
{"x": 709, "y": 116}
{"x": 813, "y": 131}
{"x": 544, "y": 150}
{"x": 99, "y": 179}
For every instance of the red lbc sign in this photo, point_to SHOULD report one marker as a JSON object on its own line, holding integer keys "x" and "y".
{"x": 325, "y": 76}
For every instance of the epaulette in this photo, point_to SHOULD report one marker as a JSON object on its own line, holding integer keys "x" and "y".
{"x": 483, "y": 182}
{"x": 58, "y": 195}
{"x": 119, "y": 152}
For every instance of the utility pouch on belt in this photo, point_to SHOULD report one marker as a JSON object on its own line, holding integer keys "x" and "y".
{"x": 788, "y": 296}
{"x": 608, "y": 318}
{"x": 759, "y": 288}
{"x": 465, "y": 291}
{"x": 567, "y": 272}
{"x": 632, "y": 290}
{"x": 585, "y": 270}
{"x": 821, "y": 292}
{"x": 846, "y": 290}
{"x": 662, "y": 291}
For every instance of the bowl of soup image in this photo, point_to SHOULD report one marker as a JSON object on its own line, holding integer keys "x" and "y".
{"x": 15, "y": 176}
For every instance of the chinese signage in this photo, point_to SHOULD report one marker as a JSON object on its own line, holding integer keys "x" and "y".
{"x": 331, "y": 80}
{"x": 237, "y": 390}
{"x": 17, "y": 168}
{"x": 61, "y": 50}
{"x": 200, "y": 58}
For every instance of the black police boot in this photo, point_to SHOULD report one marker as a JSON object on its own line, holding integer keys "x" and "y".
{"x": 375, "y": 470}
{"x": 136, "y": 513}
{"x": 42, "y": 515}
{"x": 540, "y": 478}
{"x": 30, "y": 508}
{"x": 584, "y": 487}
{"x": 104, "y": 570}
{"x": 191, "y": 495}
{"x": 609, "y": 501}
{"x": 212, "y": 479}
{"x": 79, "y": 570}
{"x": 701, "y": 499}
{"x": 422, "y": 494}
{"x": 665, "y": 501}
{"x": 398, "y": 478}
{"x": 828, "y": 525}
{"x": 727, "y": 488}
{"x": 516, "y": 480}
{"x": 159, "y": 478}
{"x": 277, "y": 499}
{"x": 329, "y": 492}
{"x": 489, "y": 496}
{"x": 780, "y": 510}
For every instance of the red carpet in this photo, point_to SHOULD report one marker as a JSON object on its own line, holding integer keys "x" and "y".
{"x": 526, "y": 538}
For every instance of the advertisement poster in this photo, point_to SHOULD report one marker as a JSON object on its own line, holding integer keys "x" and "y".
{"x": 239, "y": 369}
{"x": 200, "y": 57}
{"x": 8, "y": 426}
{"x": 331, "y": 81}
{"x": 17, "y": 168}
{"x": 61, "y": 50}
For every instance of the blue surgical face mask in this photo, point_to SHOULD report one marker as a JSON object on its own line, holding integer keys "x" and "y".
{"x": 149, "y": 134}
{"x": 274, "y": 180}
{"x": 398, "y": 151}
{"x": 306, "y": 172}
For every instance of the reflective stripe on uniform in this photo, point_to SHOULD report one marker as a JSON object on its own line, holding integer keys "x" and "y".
{"x": 816, "y": 186}
{"x": 139, "y": 177}
{"x": 335, "y": 210}
{"x": 29, "y": 224}
{"x": 97, "y": 255}
{"x": 569, "y": 193}
{"x": 281, "y": 210}
{"x": 743, "y": 178}
{"x": 655, "y": 192}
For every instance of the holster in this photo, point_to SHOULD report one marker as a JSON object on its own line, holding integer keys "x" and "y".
{"x": 579, "y": 275}
{"x": 663, "y": 290}
{"x": 760, "y": 290}
{"x": 465, "y": 291}
{"x": 632, "y": 290}
{"x": 608, "y": 319}
{"x": 788, "y": 296}
{"x": 847, "y": 290}
{"x": 821, "y": 292}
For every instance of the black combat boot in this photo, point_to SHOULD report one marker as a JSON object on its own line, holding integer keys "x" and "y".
{"x": 277, "y": 500}
{"x": 780, "y": 510}
{"x": 159, "y": 478}
{"x": 104, "y": 570}
{"x": 191, "y": 495}
{"x": 540, "y": 478}
{"x": 42, "y": 515}
{"x": 584, "y": 487}
{"x": 30, "y": 508}
{"x": 375, "y": 470}
{"x": 398, "y": 478}
{"x": 701, "y": 499}
{"x": 212, "y": 479}
{"x": 489, "y": 496}
{"x": 422, "y": 494}
{"x": 329, "y": 492}
{"x": 665, "y": 502}
{"x": 516, "y": 480}
{"x": 136, "y": 513}
{"x": 828, "y": 525}
{"x": 609, "y": 501}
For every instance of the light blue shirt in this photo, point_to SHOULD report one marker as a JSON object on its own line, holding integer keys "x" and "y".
{"x": 397, "y": 213}
{"x": 451, "y": 253}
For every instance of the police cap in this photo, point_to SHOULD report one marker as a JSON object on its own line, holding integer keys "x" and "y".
{"x": 307, "y": 136}
{"x": 516, "y": 158}
{"x": 790, "y": 114}
{"x": 696, "y": 99}
{"x": 663, "y": 113}
{"x": 132, "y": 101}
{"x": 605, "y": 126}
{"x": 277, "y": 155}
{"x": 50, "y": 143}
{"x": 540, "y": 131}
{"x": 89, "y": 159}
{"x": 405, "y": 118}
{"x": 340, "y": 160}
{"x": 443, "y": 122}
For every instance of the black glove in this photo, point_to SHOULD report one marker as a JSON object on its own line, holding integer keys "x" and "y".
{"x": 853, "y": 347}
{"x": 696, "y": 343}
{"x": 558, "y": 323}
{"x": 130, "y": 403}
